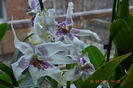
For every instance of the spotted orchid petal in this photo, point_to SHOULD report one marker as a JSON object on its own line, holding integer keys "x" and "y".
{"x": 83, "y": 32}
{"x": 71, "y": 75}
{"x": 25, "y": 48}
{"x": 34, "y": 5}
{"x": 19, "y": 66}
{"x": 60, "y": 59}
{"x": 49, "y": 49}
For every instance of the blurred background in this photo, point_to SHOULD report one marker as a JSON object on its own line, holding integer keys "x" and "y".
{"x": 94, "y": 15}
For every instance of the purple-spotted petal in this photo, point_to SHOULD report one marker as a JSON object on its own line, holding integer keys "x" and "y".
{"x": 24, "y": 63}
{"x": 84, "y": 32}
{"x": 33, "y": 4}
{"x": 72, "y": 75}
{"x": 43, "y": 51}
{"x": 51, "y": 48}
{"x": 61, "y": 31}
{"x": 69, "y": 21}
{"x": 71, "y": 36}
{"x": 19, "y": 66}
{"x": 82, "y": 61}
{"x": 75, "y": 31}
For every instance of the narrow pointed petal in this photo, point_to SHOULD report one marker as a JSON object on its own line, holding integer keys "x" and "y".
{"x": 60, "y": 59}
{"x": 70, "y": 10}
{"x": 49, "y": 49}
{"x": 81, "y": 32}
{"x": 19, "y": 66}
{"x": 25, "y": 48}
{"x": 78, "y": 43}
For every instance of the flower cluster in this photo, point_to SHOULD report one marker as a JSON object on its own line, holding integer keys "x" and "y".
{"x": 55, "y": 44}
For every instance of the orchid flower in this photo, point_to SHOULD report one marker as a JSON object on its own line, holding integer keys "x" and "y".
{"x": 84, "y": 69}
{"x": 40, "y": 59}
{"x": 34, "y": 5}
{"x": 66, "y": 28}
{"x": 43, "y": 27}
{"x": 67, "y": 33}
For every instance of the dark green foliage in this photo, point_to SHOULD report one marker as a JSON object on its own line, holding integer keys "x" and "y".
{"x": 3, "y": 29}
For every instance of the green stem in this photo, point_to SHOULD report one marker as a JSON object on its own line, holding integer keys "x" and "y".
{"x": 68, "y": 84}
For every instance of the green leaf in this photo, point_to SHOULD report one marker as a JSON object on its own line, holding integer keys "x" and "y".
{"x": 9, "y": 72}
{"x": 79, "y": 83}
{"x": 103, "y": 72}
{"x": 95, "y": 56}
{"x": 3, "y": 29}
{"x": 5, "y": 81}
{"x": 123, "y": 9}
{"x": 128, "y": 82}
{"x": 122, "y": 36}
{"x": 52, "y": 82}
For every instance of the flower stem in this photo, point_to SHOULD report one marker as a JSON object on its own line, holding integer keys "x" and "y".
{"x": 68, "y": 84}
{"x": 41, "y": 4}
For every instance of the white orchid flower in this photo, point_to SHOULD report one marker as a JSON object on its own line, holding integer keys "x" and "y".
{"x": 40, "y": 60}
{"x": 48, "y": 22}
{"x": 66, "y": 27}
{"x": 67, "y": 33}
{"x": 44, "y": 27}
{"x": 84, "y": 70}
{"x": 34, "y": 5}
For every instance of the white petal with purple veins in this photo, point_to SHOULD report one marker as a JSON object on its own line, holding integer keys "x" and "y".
{"x": 19, "y": 66}
{"x": 51, "y": 48}
{"x": 71, "y": 75}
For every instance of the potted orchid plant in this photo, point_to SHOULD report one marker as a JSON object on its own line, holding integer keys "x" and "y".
{"x": 56, "y": 56}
